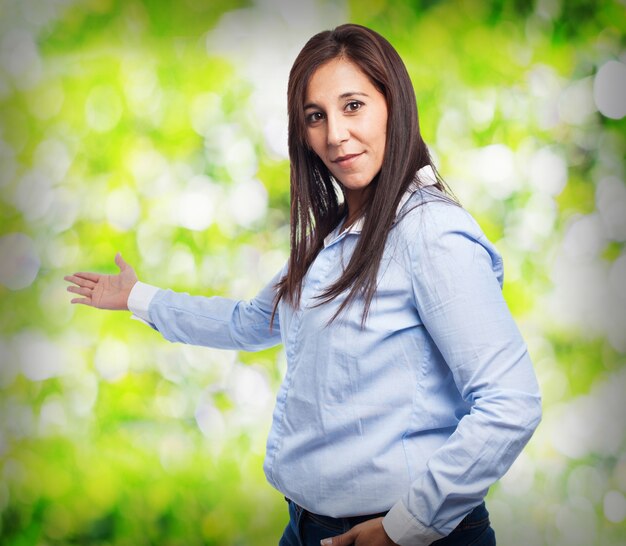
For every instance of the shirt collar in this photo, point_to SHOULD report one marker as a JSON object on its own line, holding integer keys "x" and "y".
{"x": 424, "y": 177}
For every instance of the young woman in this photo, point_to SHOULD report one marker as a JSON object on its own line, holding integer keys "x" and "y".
{"x": 409, "y": 390}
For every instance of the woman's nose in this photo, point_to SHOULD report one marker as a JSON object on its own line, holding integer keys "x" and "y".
{"x": 337, "y": 131}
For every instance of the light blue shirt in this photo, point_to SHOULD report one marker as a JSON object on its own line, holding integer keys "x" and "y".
{"x": 418, "y": 413}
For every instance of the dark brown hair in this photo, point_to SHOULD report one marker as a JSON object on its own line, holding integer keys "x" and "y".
{"x": 315, "y": 206}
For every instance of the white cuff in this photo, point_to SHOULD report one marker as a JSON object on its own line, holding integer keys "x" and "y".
{"x": 139, "y": 300}
{"x": 405, "y": 530}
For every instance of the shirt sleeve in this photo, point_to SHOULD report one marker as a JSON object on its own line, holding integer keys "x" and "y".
{"x": 217, "y": 322}
{"x": 457, "y": 278}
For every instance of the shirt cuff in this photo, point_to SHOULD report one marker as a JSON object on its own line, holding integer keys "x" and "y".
{"x": 405, "y": 530}
{"x": 139, "y": 300}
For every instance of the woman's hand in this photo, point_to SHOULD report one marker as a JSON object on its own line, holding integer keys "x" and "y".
{"x": 104, "y": 291}
{"x": 368, "y": 533}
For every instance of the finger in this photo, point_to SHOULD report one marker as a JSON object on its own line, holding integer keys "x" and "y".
{"x": 83, "y": 301}
{"x": 341, "y": 540}
{"x": 119, "y": 261}
{"x": 80, "y": 281}
{"x": 79, "y": 290}
{"x": 86, "y": 275}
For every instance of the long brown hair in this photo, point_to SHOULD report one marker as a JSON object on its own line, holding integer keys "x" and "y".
{"x": 315, "y": 206}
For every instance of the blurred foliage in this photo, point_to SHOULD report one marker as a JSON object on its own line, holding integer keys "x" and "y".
{"x": 159, "y": 129}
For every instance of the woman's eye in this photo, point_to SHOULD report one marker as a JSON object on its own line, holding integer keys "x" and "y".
{"x": 314, "y": 117}
{"x": 353, "y": 105}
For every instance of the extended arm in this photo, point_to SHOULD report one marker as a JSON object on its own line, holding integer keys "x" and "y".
{"x": 217, "y": 322}
{"x": 214, "y": 322}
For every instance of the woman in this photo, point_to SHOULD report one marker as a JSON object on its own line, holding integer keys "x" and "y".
{"x": 409, "y": 390}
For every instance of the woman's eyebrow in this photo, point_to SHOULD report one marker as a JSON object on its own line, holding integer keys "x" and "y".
{"x": 352, "y": 94}
{"x": 345, "y": 95}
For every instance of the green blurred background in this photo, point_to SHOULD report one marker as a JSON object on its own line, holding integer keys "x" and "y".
{"x": 159, "y": 129}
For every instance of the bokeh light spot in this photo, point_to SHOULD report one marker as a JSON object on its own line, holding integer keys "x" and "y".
{"x": 19, "y": 57}
{"x": 494, "y": 165}
{"x": 52, "y": 417}
{"x": 548, "y": 171}
{"x": 33, "y": 196}
{"x": 576, "y": 102}
{"x": 53, "y": 158}
{"x": 609, "y": 88}
{"x": 39, "y": 357}
{"x": 210, "y": 421}
{"x": 112, "y": 359}
{"x": 614, "y": 506}
{"x": 182, "y": 264}
{"x": 248, "y": 202}
{"x": 611, "y": 204}
{"x": 20, "y": 262}
{"x": 122, "y": 208}
{"x": 81, "y": 391}
{"x": 197, "y": 204}
{"x": 174, "y": 450}
{"x": 576, "y": 522}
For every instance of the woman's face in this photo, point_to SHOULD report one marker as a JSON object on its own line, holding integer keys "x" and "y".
{"x": 346, "y": 125}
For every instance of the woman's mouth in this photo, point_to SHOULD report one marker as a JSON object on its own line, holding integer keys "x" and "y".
{"x": 346, "y": 160}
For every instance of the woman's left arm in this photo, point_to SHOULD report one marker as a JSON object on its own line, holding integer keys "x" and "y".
{"x": 457, "y": 279}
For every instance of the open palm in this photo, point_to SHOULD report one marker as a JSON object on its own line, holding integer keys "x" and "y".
{"x": 104, "y": 291}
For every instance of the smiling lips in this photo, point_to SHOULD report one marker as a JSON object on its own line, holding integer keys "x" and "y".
{"x": 345, "y": 161}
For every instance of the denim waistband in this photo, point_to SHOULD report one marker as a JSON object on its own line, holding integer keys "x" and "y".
{"x": 475, "y": 518}
{"x": 335, "y": 524}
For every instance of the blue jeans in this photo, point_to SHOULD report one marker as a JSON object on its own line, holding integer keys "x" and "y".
{"x": 307, "y": 529}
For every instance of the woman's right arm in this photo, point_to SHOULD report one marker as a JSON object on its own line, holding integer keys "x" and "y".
{"x": 213, "y": 322}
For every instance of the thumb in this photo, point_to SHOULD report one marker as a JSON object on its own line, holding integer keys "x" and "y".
{"x": 347, "y": 539}
{"x": 119, "y": 261}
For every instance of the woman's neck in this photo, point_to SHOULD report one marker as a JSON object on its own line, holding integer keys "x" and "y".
{"x": 355, "y": 205}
